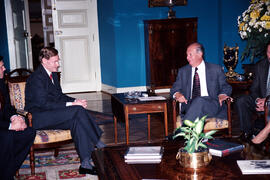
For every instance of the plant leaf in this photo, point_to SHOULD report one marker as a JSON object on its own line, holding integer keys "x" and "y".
{"x": 179, "y": 134}
{"x": 199, "y": 126}
{"x": 202, "y": 145}
{"x": 210, "y": 133}
{"x": 189, "y": 123}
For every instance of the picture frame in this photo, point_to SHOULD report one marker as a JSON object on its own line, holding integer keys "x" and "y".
{"x": 166, "y": 3}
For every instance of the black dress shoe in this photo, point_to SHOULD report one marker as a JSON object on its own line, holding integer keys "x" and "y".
{"x": 92, "y": 171}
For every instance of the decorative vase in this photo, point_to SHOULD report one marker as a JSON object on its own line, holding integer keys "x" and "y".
{"x": 230, "y": 60}
{"x": 193, "y": 160}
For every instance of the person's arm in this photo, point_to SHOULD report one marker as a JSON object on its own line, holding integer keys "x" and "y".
{"x": 225, "y": 89}
{"x": 37, "y": 95}
{"x": 176, "y": 90}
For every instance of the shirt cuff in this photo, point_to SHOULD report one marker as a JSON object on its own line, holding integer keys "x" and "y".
{"x": 68, "y": 103}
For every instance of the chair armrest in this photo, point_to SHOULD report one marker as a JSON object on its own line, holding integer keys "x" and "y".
{"x": 175, "y": 107}
{"x": 27, "y": 115}
{"x": 22, "y": 112}
{"x": 229, "y": 115}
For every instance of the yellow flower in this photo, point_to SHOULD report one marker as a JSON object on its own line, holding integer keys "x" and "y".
{"x": 255, "y": 14}
{"x": 241, "y": 26}
{"x": 253, "y": 1}
{"x": 265, "y": 18}
{"x": 267, "y": 25}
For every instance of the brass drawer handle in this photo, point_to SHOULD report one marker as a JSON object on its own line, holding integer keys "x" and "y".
{"x": 134, "y": 109}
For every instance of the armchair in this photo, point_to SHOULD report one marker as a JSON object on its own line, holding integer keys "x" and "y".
{"x": 16, "y": 80}
{"x": 211, "y": 123}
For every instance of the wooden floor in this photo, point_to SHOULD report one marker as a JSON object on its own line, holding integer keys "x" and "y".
{"x": 101, "y": 102}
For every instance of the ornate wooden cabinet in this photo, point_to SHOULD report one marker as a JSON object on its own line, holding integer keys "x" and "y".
{"x": 166, "y": 42}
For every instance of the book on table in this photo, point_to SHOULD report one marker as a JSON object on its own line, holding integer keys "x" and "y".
{"x": 218, "y": 147}
{"x": 254, "y": 166}
{"x": 144, "y": 154}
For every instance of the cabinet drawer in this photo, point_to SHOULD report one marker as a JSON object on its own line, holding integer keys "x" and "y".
{"x": 145, "y": 108}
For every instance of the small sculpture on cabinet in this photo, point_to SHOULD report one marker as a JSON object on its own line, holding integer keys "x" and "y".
{"x": 230, "y": 60}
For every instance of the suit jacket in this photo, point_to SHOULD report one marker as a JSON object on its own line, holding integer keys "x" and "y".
{"x": 41, "y": 94}
{"x": 7, "y": 110}
{"x": 215, "y": 80}
{"x": 258, "y": 87}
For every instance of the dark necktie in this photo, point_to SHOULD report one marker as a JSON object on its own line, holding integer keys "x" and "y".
{"x": 196, "y": 91}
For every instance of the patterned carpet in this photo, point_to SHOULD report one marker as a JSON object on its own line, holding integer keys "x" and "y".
{"x": 65, "y": 166}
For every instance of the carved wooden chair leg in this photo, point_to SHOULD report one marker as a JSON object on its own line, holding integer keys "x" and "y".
{"x": 32, "y": 160}
{"x": 17, "y": 173}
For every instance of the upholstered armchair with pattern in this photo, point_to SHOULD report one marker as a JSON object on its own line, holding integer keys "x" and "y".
{"x": 222, "y": 125}
{"x": 16, "y": 81}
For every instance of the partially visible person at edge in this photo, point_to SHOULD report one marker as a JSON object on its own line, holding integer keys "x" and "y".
{"x": 246, "y": 105}
{"x": 15, "y": 137}
{"x": 52, "y": 109}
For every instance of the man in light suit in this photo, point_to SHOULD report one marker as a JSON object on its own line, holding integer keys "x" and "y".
{"x": 51, "y": 109}
{"x": 213, "y": 87}
{"x": 15, "y": 137}
{"x": 246, "y": 105}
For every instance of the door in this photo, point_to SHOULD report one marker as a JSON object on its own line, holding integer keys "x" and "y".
{"x": 18, "y": 28}
{"x": 75, "y": 29}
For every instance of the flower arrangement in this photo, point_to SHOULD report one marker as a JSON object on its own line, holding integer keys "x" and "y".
{"x": 254, "y": 26}
{"x": 194, "y": 135}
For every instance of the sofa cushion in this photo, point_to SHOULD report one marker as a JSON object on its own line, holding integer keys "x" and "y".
{"x": 50, "y": 136}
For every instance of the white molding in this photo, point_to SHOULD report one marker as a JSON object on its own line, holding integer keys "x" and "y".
{"x": 108, "y": 89}
{"x": 10, "y": 34}
{"x": 162, "y": 90}
{"x": 112, "y": 90}
{"x": 127, "y": 89}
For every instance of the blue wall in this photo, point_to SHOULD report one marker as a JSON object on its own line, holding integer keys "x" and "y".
{"x": 3, "y": 35}
{"x": 121, "y": 34}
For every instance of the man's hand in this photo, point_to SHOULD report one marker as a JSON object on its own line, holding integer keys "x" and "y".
{"x": 180, "y": 97}
{"x": 260, "y": 104}
{"x": 17, "y": 123}
{"x": 223, "y": 97}
{"x": 80, "y": 102}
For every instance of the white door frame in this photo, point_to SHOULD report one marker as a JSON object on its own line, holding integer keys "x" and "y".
{"x": 10, "y": 34}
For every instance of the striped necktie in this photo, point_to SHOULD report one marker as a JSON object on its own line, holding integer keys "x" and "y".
{"x": 196, "y": 91}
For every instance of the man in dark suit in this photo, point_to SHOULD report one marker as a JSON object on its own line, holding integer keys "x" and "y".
{"x": 15, "y": 137}
{"x": 213, "y": 88}
{"x": 246, "y": 105}
{"x": 51, "y": 109}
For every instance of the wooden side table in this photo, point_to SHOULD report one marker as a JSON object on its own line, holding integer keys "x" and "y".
{"x": 240, "y": 87}
{"x": 122, "y": 108}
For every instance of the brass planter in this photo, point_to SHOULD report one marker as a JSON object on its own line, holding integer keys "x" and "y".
{"x": 194, "y": 160}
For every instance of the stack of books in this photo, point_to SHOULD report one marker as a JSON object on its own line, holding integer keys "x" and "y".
{"x": 144, "y": 155}
{"x": 218, "y": 147}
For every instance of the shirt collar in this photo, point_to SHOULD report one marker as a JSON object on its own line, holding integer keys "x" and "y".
{"x": 48, "y": 72}
{"x": 200, "y": 66}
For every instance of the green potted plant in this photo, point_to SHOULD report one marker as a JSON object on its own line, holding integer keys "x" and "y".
{"x": 195, "y": 154}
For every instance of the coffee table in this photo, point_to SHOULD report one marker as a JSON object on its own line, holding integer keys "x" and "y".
{"x": 123, "y": 107}
{"x": 111, "y": 165}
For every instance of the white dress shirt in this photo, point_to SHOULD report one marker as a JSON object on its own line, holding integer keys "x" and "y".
{"x": 202, "y": 76}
